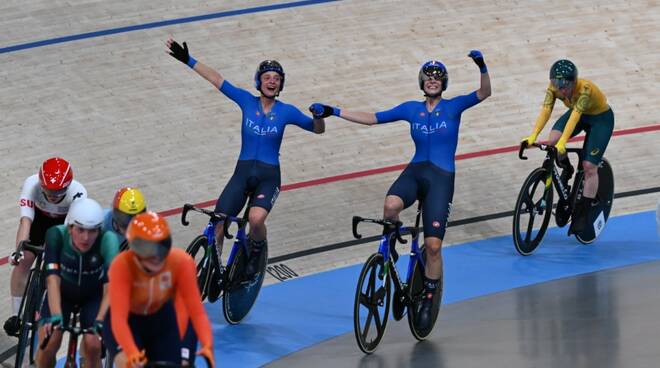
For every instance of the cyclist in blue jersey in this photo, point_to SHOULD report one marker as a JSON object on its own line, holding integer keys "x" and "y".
{"x": 429, "y": 177}
{"x": 262, "y": 128}
{"x": 126, "y": 203}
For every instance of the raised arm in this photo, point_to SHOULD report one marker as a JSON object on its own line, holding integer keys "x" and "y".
{"x": 321, "y": 111}
{"x": 182, "y": 54}
{"x": 484, "y": 90}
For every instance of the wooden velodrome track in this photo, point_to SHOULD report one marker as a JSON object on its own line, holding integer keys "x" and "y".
{"x": 125, "y": 113}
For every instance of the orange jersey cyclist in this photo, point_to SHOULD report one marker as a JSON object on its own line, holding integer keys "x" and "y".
{"x": 588, "y": 111}
{"x": 153, "y": 290}
{"x": 429, "y": 177}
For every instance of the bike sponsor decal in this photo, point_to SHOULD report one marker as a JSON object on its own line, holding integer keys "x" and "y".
{"x": 281, "y": 272}
{"x": 599, "y": 224}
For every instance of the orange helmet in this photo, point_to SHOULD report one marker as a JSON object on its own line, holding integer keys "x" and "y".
{"x": 148, "y": 235}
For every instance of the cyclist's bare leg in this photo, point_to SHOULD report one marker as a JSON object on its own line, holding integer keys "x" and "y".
{"x": 91, "y": 350}
{"x": 393, "y": 207}
{"x": 19, "y": 275}
{"x": 554, "y": 136}
{"x": 590, "y": 179}
{"x": 120, "y": 359}
{"x": 46, "y": 357}
{"x": 433, "y": 249}
{"x": 257, "y": 219}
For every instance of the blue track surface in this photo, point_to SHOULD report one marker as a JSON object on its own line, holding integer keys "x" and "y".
{"x": 295, "y": 314}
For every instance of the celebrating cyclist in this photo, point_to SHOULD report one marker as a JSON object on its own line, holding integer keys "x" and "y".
{"x": 77, "y": 259}
{"x": 262, "y": 128}
{"x": 44, "y": 202}
{"x": 153, "y": 290}
{"x": 429, "y": 177}
{"x": 587, "y": 110}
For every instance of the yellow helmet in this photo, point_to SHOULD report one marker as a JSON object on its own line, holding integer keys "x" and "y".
{"x": 128, "y": 202}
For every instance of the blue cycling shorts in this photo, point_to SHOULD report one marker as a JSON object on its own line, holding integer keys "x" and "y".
{"x": 434, "y": 187}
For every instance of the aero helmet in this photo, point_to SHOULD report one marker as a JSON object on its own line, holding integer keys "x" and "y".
{"x": 268, "y": 66}
{"x": 55, "y": 175}
{"x": 562, "y": 73}
{"x": 127, "y": 203}
{"x": 433, "y": 69}
{"x": 148, "y": 235}
{"x": 85, "y": 213}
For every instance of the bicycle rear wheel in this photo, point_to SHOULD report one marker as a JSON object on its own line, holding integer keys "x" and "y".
{"x": 202, "y": 260}
{"x": 372, "y": 303}
{"x": 606, "y": 198}
{"x": 416, "y": 294}
{"x": 241, "y": 294}
{"x": 532, "y": 212}
{"x": 29, "y": 307}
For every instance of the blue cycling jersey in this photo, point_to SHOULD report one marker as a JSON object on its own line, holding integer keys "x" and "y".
{"x": 261, "y": 134}
{"x": 107, "y": 224}
{"x": 435, "y": 133}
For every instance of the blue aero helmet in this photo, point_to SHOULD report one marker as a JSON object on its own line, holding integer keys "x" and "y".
{"x": 268, "y": 66}
{"x": 433, "y": 69}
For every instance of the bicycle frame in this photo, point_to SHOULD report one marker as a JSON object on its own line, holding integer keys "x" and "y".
{"x": 75, "y": 331}
{"x": 550, "y": 165}
{"x": 209, "y": 232}
{"x": 415, "y": 256}
{"x": 384, "y": 247}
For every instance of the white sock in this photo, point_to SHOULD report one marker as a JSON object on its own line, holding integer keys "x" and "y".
{"x": 16, "y": 304}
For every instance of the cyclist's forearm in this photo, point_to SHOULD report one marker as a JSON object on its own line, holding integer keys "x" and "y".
{"x": 209, "y": 74}
{"x": 365, "y": 118}
{"x": 570, "y": 126}
{"x": 105, "y": 303}
{"x": 23, "y": 232}
{"x": 485, "y": 90}
{"x": 542, "y": 119}
{"x": 54, "y": 297}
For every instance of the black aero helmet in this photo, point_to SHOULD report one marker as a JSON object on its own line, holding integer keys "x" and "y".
{"x": 563, "y": 72}
{"x": 433, "y": 69}
{"x": 268, "y": 66}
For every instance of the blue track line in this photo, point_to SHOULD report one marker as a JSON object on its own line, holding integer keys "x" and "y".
{"x": 164, "y": 23}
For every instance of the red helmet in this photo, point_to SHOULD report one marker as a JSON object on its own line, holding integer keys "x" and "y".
{"x": 55, "y": 175}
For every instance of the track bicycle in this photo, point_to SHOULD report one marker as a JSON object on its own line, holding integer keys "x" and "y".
{"x": 535, "y": 201}
{"x": 29, "y": 309}
{"x": 238, "y": 290}
{"x": 374, "y": 287}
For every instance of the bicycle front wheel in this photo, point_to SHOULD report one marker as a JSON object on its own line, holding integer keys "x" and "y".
{"x": 372, "y": 303}
{"x": 532, "y": 212}
{"x": 203, "y": 262}
{"x": 30, "y": 305}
